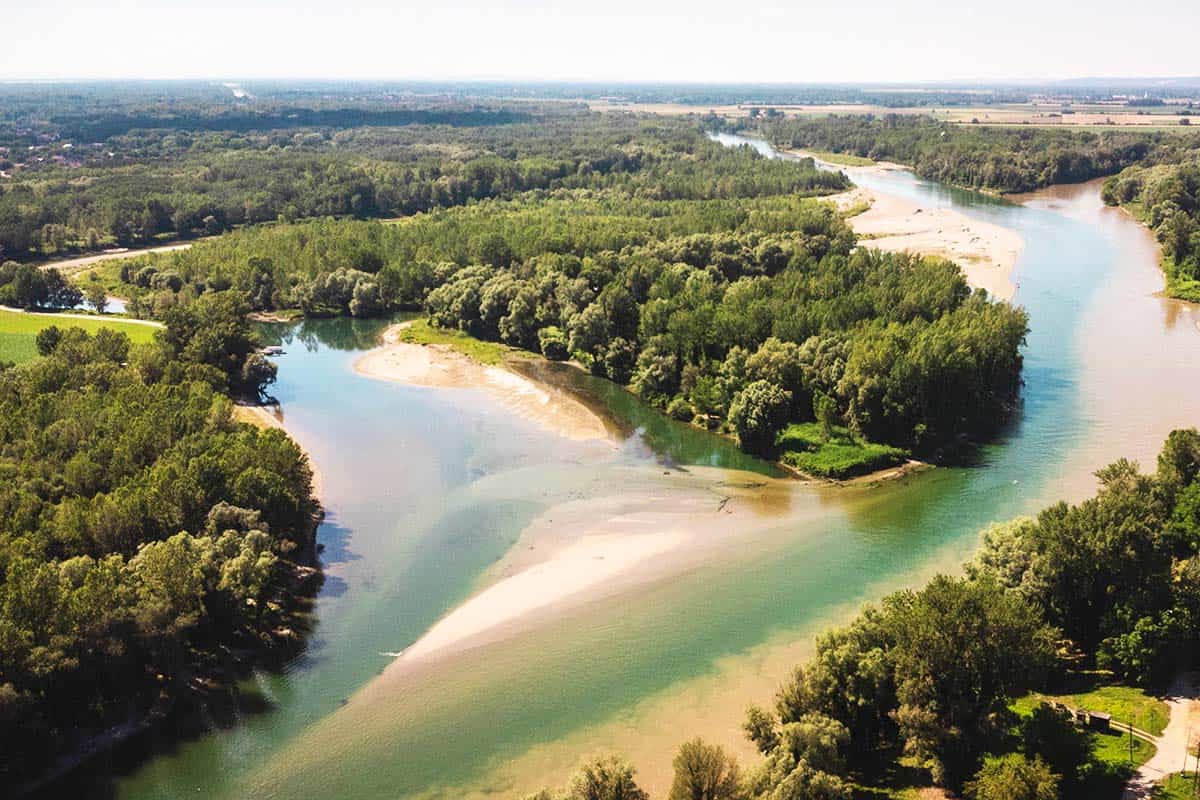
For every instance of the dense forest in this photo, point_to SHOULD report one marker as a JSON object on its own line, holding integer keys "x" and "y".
{"x": 931, "y": 674}
{"x": 1002, "y": 159}
{"x": 147, "y": 185}
{"x": 701, "y": 279}
{"x": 147, "y": 539}
{"x": 1166, "y": 197}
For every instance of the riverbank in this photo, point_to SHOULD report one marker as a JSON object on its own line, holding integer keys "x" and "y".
{"x": 440, "y": 367}
{"x": 272, "y": 417}
{"x": 987, "y": 254}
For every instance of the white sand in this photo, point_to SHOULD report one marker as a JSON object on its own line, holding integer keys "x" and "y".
{"x": 70, "y": 265}
{"x": 440, "y": 367}
{"x": 272, "y": 417}
{"x": 986, "y": 253}
{"x": 565, "y": 577}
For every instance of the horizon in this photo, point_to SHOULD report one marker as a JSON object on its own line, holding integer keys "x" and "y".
{"x": 624, "y": 41}
{"x": 940, "y": 84}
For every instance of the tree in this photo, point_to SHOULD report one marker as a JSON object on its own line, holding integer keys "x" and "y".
{"x": 494, "y": 251}
{"x": 1051, "y": 736}
{"x": 258, "y": 372}
{"x": 1013, "y": 777}
{"x": 553, "y": 343}
{"x": 590, "y": 331}
{"x": 656, "y": 376}
{"x": 825, "y": 410}
{"x": 47, "y": 339}
{"x": 606, "y": 779}
{"x": 96, "y": 297}
{"x": 817, "y": 739}
{"x": 963, "y": 650}
{"x": 704, "y": 772}
{"x": 757, "y": 414}
{"x": 761, "y": 728}
{"x": 782, "y": 777}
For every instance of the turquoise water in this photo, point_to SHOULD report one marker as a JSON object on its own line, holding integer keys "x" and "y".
{"x": 427, "y": 489}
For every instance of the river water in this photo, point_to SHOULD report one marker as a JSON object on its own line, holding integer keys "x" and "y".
{"x": 429, "y": 492}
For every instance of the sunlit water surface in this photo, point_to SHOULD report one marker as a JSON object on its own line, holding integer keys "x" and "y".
{"x": 426, "y": 489}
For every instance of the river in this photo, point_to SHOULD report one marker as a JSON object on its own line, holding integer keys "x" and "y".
{"x": 434, "y": 494}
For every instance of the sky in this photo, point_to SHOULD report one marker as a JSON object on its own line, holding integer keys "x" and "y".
{"x": 615, "y": 40}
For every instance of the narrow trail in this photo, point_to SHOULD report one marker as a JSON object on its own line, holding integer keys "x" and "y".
{"x": 1171, "y": 749}
{"x": 72, "y": 265}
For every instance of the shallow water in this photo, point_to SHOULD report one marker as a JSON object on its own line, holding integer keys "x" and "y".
{"x": 428, "y": 489}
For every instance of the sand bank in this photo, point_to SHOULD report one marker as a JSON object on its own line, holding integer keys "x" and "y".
{"x": 440, "y": 367}
{"x": 272, "y": 417}
{"x": 986, "y": 253}
{"x": 582, "y": 550}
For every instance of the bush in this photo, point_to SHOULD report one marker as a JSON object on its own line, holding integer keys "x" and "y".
{"x": 757, "y": 414}
{"x": 553, "y": 343}
{"x": 680, "y": 409}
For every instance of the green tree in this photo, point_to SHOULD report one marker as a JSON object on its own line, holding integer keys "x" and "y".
{"x": 963, "y": 650}
{"x": 1013, "y": 777}
{"x": 606, "y": 779}
{"x": 96, "y": 297}
{"x": 757, "y": 414}
{"x": 47, "y": 339}
{"x": 1053, "y": 737}
{"x": 825, "y": 411}
{"x": 704, "y": 772}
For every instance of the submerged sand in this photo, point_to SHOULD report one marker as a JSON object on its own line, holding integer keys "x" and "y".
{"x": 440, "y": 367}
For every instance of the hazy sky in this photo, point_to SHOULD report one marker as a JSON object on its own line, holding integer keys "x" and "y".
{"x": 643, "y": 40}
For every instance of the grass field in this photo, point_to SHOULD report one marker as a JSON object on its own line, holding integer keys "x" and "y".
{"x": 421, "y": 332}
{"x": 18, "y": 332}
{"x": 1178, "y": 787}
{"x": 1125, "y": 703}
{"x": 843, "y": 159}
{"x": 1111, "y": 754}
{"x": 801, "y": 446}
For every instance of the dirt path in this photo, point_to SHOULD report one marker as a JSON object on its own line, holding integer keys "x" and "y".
{"x": 71, "y": 265}
{"x": 1182, "y": 732}
{"x": 69, "y": 317}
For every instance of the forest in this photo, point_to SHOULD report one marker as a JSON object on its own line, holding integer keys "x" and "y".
{"x": 1166, "y": 197}
{"x": 992, "y": 158}
{"x": 184, "y": 177}
{"x": 148, "y": 541}
{"x": 932, "y": 676}
{"x": 703, "y": 280}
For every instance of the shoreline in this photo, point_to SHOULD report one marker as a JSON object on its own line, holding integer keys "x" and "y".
{"x": 987, "y": 254}
{"x": 439, "y": 367}
{"x": 271, "y": 416}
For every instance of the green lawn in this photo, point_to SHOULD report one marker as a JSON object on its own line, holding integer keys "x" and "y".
{"x": 801, "y": 446}
{"x": 1125, "y": 703}
{"x": 421, "y": 332}
{"x": 18, "y": 332}
{"x": 1112, "y": 749}
{"x": 843, "y": 159}
{"x": 1111, "y": 752}
{"x": 1179, "y": 786}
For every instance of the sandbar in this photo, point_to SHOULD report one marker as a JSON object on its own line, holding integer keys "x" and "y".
{"x": 437, "y": 366}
